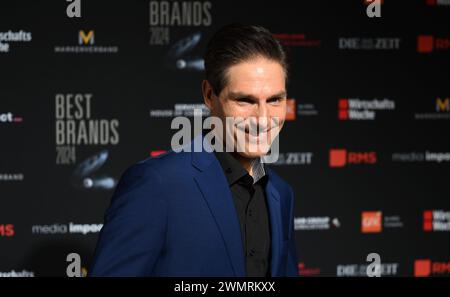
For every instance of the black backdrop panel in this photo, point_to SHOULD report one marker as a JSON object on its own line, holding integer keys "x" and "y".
{"x": 366, "y": 147}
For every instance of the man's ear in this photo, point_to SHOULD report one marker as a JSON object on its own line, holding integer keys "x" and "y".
{"x": 207, "y": 92}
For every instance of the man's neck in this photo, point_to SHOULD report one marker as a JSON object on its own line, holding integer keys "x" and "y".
{"x": 245, "y": 162}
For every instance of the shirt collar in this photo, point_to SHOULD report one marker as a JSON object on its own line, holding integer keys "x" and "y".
{"x": 258, "y": 170}
{"x": 235, "y": 171}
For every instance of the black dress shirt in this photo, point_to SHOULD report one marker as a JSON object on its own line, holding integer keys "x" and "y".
{"x": 251, "y": 206}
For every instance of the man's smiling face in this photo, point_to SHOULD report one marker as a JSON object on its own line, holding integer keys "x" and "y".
{"x": 256, "y": 93}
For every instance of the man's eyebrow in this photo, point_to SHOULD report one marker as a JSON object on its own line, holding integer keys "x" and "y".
{"x": 280, "y": 94}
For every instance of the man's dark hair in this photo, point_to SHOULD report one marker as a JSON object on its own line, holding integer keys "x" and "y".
{"x": 236, "y": 43}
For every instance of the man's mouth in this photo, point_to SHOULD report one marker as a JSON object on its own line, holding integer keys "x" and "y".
{"x": 255, "y": 132}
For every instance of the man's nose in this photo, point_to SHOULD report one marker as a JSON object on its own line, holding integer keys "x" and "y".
{"x": 261, "y": 117}
{"x": 262, "y": 110}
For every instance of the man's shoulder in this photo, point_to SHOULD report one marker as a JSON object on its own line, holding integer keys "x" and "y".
{"x": 155, "y": 173}
{"x": 169, "y": 163}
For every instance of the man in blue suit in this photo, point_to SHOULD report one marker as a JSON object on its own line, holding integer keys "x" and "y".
{"x": 203, "y": 213}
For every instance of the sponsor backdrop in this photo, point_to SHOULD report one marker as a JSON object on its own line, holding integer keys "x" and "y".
{"x": 366, "y": 146}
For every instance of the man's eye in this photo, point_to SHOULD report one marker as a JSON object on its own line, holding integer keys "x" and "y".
{"x": 274, "y": 100}
{"x": 244, "y": 100}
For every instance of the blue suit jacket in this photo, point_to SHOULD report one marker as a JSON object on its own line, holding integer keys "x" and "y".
{"x": 174, "y": 216}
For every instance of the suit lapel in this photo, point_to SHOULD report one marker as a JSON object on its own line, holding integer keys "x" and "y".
{"x": 273, "y": 202}
{"x": 214, "y": 187}
{"x": 216, "y": 192}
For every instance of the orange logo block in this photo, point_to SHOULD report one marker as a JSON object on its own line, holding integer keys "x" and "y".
{"x": 338, "y": 157}
{"x": 422, "y": 268}
{"x": 290, "y": 110}
{"x": 425, "y": 43}
{"x": 371, "y": 222}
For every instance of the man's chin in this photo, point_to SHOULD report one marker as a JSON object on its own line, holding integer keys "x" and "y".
{"x": 252, "y": 153}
